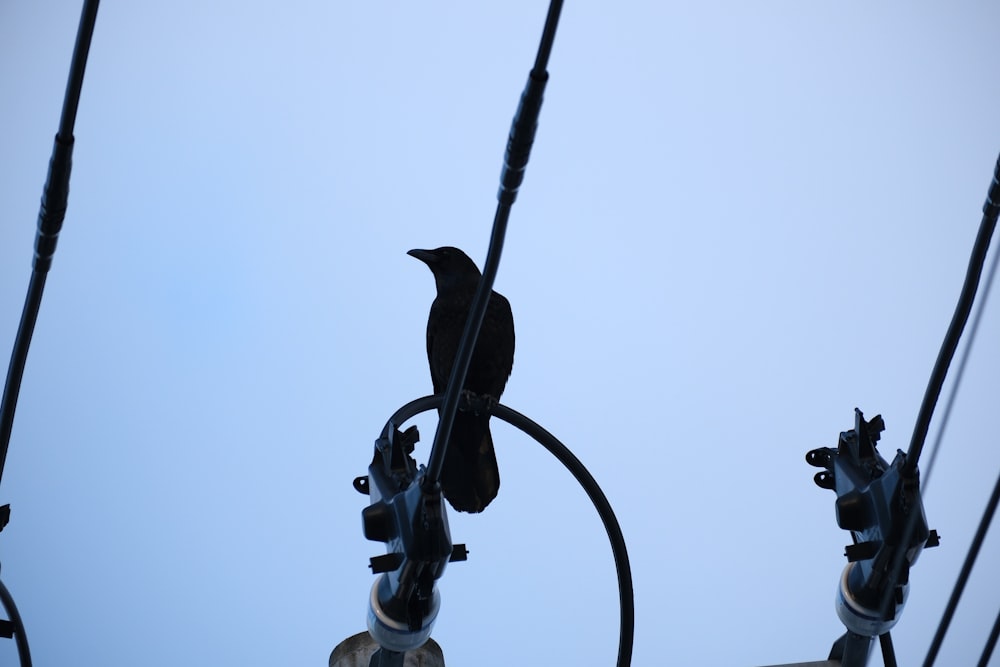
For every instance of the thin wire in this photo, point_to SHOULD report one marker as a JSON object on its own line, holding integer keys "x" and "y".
{"x": 925, "y": 474}
{"x": 991, "y": 643}
{"x": 991, "y": 210}
{"x": 81, "y": 50}
{"x": 463, "y": 357}
{"x": 50, "y": 218}
{"x": 548, "y": 37}
{"x": 963, "y": 575}
{"x": 519, "y": 144}
{"x": 958, "y": 320}
{"x": 18, "y": 358}
{"x": 888, "y": 652}
{"x": 20, "y": 639}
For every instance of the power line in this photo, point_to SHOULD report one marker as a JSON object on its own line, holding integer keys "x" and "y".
{"x": 519, "y": 143}
{"x": 991, "y": 643}
{"x": 963, "y": 576}
{"x": 991, "y": 210}
{"x": 50, "y": 219}
{"x": 960, "y": 372}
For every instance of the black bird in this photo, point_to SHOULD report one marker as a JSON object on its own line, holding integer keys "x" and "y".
{"x": 470, "y": 478}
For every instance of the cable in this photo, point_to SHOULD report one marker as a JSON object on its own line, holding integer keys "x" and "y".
{"x": 519, "y": 142}
{"x": 548, "y": 36}
{"x": 23, "y": 654}
{"x": 888, "y": 652}
{"x": 963, "y": 576}
{"x": 51, "y": 214}
{"x": 991, "y": 643}
{"x": 463, "y": 357}
{"x": 50, "y": 218}
{"x": 622, "y": 567}
{"x": 991, "y": 210}
{"x": 589, "y": 484}
{"x": 971, "y": 338}
{"x": 18, "y": 357}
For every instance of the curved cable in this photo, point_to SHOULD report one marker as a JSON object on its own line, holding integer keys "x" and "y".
{"x": 589, "y": 484}
{"x": 21, "y": 639}
{"x": 622, "y": 567}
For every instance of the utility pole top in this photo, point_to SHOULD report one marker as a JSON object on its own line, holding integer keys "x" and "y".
{"x": 357, "y": 651}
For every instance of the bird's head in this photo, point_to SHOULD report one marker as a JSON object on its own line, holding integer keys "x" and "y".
{"x": 452, "y": 268}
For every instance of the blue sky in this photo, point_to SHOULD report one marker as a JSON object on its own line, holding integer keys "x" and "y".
{"x": 739, "y": 223}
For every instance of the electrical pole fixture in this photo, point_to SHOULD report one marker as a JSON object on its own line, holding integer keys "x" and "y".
{"x": 413, "y": 523}
{"x": 407, "y": 509}
{"x": 875, "y": 501}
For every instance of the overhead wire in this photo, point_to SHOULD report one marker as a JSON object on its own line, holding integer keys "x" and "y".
{"x": 963, "y": 575}
{"x": 519, "y": 143}
{"x": 991, "y": 643}
{"x": 909, "y": 469}
{"x": 958, "y": 321}
{"x": 977, "y": 259}
{"x": 888, "y": 651}
{"x": 51, "y": 214}
{"x": 50, "y": 218}
{"x": 935, "y": 448}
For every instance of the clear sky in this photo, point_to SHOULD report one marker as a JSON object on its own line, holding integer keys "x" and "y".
{"x": 740, "y": 222}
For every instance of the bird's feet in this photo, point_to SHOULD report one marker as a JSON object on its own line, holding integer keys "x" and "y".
{"x": 477, "y": 404}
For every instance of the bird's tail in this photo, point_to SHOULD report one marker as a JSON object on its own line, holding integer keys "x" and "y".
{"x": 470, "y": 477}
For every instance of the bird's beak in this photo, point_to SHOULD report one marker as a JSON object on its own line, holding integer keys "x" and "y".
{"x": 426, "y": 256}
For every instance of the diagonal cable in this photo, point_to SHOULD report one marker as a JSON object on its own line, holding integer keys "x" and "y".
{"x": 522, "y": 135}
{"x": 963, "y": 575}
{"x": 960, "y": 371}
{"x": 991, "y": 210}
{"x": 50, "y": 218}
